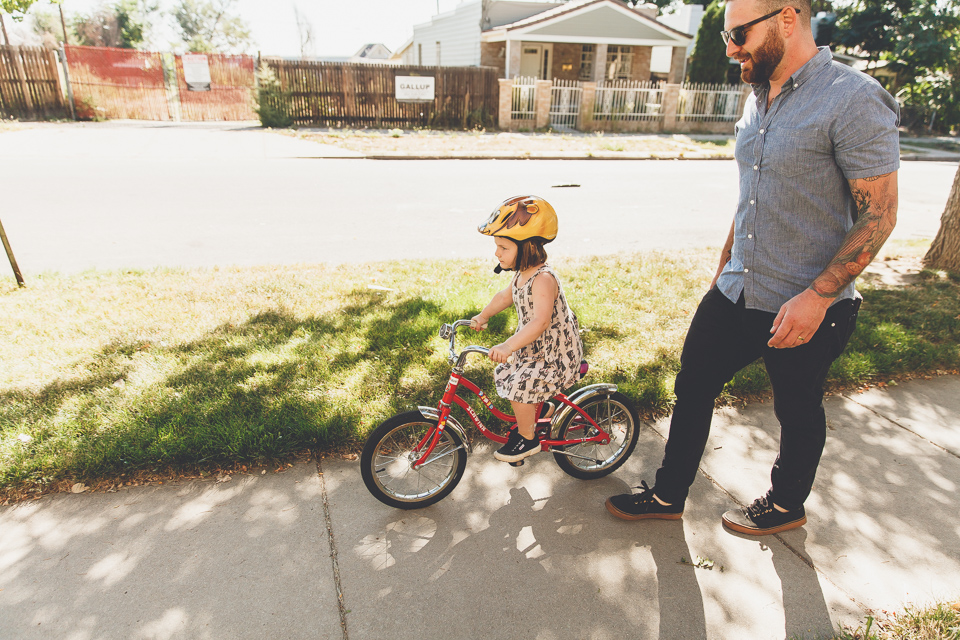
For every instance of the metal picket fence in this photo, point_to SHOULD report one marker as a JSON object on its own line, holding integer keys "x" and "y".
{"x": 565, "y": 98}
{"x": 524, "y": 99}
{"x": 710, "y": 102}
{"x": 628, "y": 100}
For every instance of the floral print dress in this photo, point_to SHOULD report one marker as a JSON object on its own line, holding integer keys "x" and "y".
{"x": 549, "y": 364}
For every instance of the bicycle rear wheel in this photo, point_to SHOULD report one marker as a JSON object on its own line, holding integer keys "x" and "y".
{"x": 615, "y": 414}
{"x": 386, "y": 463}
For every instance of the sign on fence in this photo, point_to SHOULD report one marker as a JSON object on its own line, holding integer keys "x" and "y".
{"x": 415, "y": 89}
{"x": 196, "y": 72}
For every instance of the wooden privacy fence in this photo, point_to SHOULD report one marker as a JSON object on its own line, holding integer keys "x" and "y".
{"x": 364, "y": 95}
{"x": 30, "y": 86}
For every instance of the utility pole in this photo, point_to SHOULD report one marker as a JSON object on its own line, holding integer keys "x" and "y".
{"x": 63, "y": 24}
{"x": 13, "y": 261}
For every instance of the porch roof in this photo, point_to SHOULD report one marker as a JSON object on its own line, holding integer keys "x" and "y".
{"x": 590, "y": 21}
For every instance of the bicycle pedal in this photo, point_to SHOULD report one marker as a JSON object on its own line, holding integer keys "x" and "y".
{"x": 518, "y": 463}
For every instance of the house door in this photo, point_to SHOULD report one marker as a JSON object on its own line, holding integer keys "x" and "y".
{"x": 531, "y": 61}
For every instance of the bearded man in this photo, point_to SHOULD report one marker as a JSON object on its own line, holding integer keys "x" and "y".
{"x": 818, "y": 153}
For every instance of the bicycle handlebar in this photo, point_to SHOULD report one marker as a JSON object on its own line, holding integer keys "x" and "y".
{"x": 450, "y": 331}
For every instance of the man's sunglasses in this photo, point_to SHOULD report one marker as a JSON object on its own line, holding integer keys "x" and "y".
{"x": 739, "y": 34}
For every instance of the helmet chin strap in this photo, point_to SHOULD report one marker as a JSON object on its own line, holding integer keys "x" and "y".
{"x": 498, "y": 269}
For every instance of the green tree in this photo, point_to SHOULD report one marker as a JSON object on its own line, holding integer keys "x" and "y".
{"x": 709, "y": 61}
{"x": 123, "y": 24}
{"x": 17, "y": 8}
{"x": 210, "y": 26}
{"x": 919, "y": 41}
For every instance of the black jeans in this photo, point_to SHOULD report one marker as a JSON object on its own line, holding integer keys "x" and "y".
{"x": 723, "y": 338}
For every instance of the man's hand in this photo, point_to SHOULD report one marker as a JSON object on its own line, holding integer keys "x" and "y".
{"x": 500, "y": 352}
{"x": 798, "y": 320}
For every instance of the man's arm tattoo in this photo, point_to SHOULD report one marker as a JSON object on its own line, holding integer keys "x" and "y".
{"x": 876, "y": 201}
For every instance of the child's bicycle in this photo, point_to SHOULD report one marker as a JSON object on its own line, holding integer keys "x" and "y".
{"x": 416, "y": 458}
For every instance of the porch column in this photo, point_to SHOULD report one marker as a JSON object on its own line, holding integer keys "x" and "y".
{"x": 678, "y": 65}
{"x": 600, "y": 62}
{"x": 512, "y": 58}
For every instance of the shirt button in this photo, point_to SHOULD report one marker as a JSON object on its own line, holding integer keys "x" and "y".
{"x": 755, "y": 167}
{"x": 762, "y": 130}
{"x": 746, "y": 270}
{"x": 750, "y": 236}
{"x": 796, "y": 86}
{"x": 752, "y": 201}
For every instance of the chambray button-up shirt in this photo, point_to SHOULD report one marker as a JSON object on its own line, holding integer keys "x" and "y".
{"x": 830, "y": 124}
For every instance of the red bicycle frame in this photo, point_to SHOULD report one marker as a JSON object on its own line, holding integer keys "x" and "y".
{"x": 450, "y": 398}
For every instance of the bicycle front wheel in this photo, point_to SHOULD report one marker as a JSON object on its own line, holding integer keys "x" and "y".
{"x": 615, "y": 414}
{"x": 386, "y": 463}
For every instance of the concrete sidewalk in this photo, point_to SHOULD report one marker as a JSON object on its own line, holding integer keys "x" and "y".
{"x": 511, "y": 553}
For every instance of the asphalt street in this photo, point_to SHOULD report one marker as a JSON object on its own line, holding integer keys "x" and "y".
{"x": 144, "y": 195}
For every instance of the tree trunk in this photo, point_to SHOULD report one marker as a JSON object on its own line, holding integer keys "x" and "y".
{"x": 944, "y": 253}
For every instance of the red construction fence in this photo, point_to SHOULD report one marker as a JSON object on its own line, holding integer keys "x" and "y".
{"x": 124, "y": 83}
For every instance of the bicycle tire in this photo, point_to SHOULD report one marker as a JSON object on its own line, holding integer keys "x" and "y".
{"x": 618, "y": 417}
{"x": 386, "y": 463}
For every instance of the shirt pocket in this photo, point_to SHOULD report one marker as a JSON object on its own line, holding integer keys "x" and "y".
{"x": 791, "y": 152}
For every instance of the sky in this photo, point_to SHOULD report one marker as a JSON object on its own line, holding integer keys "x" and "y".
{"x": 340, "y": 27}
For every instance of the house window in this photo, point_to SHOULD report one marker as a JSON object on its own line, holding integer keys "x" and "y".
{"x": 586, "y": 62}
{"x": 619, "y": 61}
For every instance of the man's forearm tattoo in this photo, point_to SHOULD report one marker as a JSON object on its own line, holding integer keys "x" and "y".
{"x": 877, "y": 215}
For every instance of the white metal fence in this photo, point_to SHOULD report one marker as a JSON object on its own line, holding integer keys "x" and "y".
{"x": 524, "y": 100}
{"x": 628, "y": 100}
{"x": 565, "y": 98}
{"x": 710, "y": 102}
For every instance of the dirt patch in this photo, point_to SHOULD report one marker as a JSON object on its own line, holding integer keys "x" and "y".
{"x": 483, "y": 144}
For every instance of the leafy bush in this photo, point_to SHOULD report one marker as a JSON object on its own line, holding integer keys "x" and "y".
{"x": 271, "y": 100}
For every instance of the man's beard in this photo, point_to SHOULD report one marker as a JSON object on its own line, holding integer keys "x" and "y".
{"x": 764, "y": 60}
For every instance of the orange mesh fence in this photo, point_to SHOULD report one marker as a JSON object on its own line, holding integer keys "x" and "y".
{"x": 117, "y": 83}
{"x": 231, "y": 90}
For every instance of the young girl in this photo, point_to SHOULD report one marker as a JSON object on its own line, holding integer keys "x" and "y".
{"x": 546, "y": 347}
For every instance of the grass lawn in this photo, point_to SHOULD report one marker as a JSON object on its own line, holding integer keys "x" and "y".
{"x": 110, "y": 373}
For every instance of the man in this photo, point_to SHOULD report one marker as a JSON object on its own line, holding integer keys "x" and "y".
{"x": 818, "y": 153}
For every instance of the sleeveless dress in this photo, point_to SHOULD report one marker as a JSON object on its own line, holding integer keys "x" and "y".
{"x": 549, "y": 364}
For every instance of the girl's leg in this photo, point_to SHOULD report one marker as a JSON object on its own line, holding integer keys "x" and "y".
{"x": 526, "y": 418}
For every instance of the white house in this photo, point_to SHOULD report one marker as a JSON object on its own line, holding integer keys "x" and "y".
{"x": 563, "y": 39}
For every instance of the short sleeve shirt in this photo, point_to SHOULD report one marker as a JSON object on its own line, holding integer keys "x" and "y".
{"x": 829, "y": 124}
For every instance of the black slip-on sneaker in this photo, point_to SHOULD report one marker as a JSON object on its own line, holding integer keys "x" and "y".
{"x": 517, "y": 448}
{"x": 761, "y": 518}
{"x": 642, "y": 506}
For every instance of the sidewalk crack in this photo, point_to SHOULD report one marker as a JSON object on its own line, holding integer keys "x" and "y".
{"x": 333, "y": 547}
{"x": 904, "y": 427}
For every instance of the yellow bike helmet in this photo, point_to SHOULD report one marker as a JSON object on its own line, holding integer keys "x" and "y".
{"x": 521, "y": 218}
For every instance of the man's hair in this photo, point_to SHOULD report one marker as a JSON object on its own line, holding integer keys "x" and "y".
{"x": 769, "y": 6}
{"x": 530, "y": 253}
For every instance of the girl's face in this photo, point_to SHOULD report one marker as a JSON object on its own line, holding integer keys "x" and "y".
{"x": 506, "y": 252}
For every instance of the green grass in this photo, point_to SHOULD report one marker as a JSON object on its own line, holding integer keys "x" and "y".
{"x": 939, "y": 621}
{"x": 105, "y": 373}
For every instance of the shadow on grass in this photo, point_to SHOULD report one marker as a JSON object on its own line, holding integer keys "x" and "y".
{"x": 279, "y": 383}
{"x": 899, "y": 332}
{"x": 264, "y": 389}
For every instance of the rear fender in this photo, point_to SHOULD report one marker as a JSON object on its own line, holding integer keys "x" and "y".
{"x": 580, "y": 395}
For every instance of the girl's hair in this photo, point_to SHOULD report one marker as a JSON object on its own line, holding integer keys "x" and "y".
{"x": 530, "y": 252}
